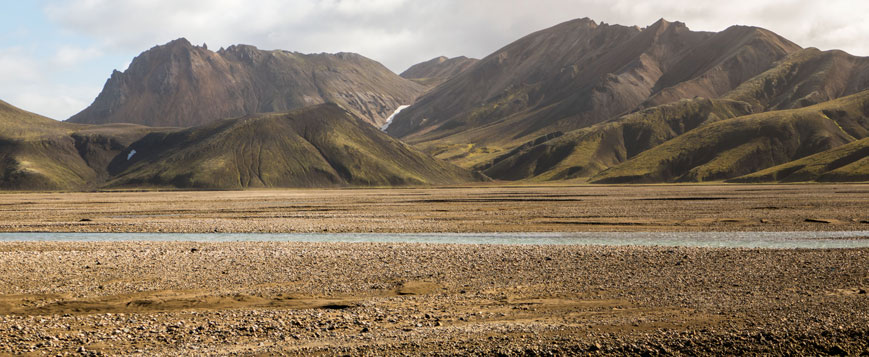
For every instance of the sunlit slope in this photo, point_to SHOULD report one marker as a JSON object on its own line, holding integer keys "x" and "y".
{"x": 743, "y": 145}
{"x": 804, "y": 78}
{"x": 846, "y": 163}
{"x": 38, "y": 153}
{"x": 313, "y": 147}
{"x": 585, "y": 152}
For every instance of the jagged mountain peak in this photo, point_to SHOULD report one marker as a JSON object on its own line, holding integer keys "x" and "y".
{"x": 179, "y": 84}
{"x": 583, "y": 21}
{"x": 663, "y": 24}
{"x": 181, "y": 41}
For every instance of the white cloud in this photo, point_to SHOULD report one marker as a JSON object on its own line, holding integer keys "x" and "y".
{"x": 831, "y": 24}
{"x": 69, "y": 56}
{"x": 56, "y": 101}
{"x": 357, "y": 7}
{"x": 16, "y": 66}
{"x": 402, "y": 32}
{"x": 134, "y": 24}
{"x": 398, "y": 33}
{"x": 29, "y": 82}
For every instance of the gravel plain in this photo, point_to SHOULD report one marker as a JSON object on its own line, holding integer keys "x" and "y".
{"x": 272, "y": 298}
{"x": 831, "y": 207}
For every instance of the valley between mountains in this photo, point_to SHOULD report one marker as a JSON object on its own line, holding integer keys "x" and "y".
{"x": 587, "y": 189}
{"x": 580, "y": 102}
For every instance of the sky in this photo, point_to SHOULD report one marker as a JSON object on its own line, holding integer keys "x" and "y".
{"x": 55, "y": 55}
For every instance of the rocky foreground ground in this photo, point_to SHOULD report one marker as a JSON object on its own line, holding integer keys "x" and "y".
{"x": 161, "y": 298}
{"x": 409, "y": 299}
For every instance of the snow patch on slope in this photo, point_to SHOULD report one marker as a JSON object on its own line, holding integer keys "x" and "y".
{"x": 389, "y": 120}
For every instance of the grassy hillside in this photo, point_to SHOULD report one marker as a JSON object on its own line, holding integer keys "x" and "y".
{"x": 585, "y": 152}
{"x": 317, "y": 146}
{"x": 19, "y": 124}
{"x": 743, "y": 145}
{"x": 38, "y": 153}
{"x": 846, "y": 163}
{"x": 49, "y": 163}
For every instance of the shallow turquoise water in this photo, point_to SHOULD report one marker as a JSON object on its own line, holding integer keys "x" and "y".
{"x": 816, "y": 240}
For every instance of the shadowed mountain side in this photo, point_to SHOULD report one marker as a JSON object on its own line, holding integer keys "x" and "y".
{"x": 318, "y": 146}
{"x": 178, "y": 84}
{"x": 575, "y": 75}
{"x": 433, "y": 72}
{"x": 539, "y": 70}
{"x": 805, "y": 78}
{"x": 45, "y": 163}
{"x": 38, "y": 153}
{"x": 720, "y": 64}
{"x": 585, "y": 152}
{"x": 739, "y": 146}
{"x": 846, "y": 163}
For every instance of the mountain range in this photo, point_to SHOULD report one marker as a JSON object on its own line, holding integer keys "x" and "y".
{"x": 769, "y": 99}
{"x": 581, "y": 101}
{"x": 178, "y": 84}
{"x": 316, "y": 146}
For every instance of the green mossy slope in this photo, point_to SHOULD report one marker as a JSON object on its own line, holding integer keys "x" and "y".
{"x": 38, "y": 153}
{"x": 846, "y": 163}
{"x": 319, "y": 146}
{"x": 739, "y": 146}
{"x": 585, "y": 152}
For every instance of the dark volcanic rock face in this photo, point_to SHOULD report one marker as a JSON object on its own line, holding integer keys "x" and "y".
{"x": 179, "y": 84}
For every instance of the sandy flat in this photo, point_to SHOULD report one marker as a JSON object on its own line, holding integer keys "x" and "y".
{"x": 453, "y": 209}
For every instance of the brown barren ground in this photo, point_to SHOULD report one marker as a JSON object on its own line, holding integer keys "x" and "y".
{"x": 195, "y": 298}
{"x": 458, "y": 209}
